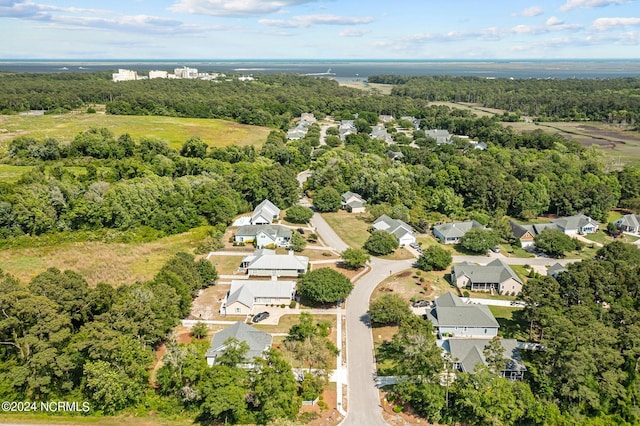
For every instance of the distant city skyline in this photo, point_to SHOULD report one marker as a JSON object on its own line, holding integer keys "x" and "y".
{"x": 317, "y": 29}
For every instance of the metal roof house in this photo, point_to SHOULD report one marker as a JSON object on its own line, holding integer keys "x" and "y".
{"x": 257, "y": 340}
{"x": 266, "y": 263}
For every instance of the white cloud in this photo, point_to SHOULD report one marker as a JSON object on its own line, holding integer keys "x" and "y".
{"x": 589, "y": 4}
{"x": 234, "y": 7}
{"x": 530, "y": 11}
{"x": 605, "y": 24}
{"x": 306, "y": 21}
{"x": 352, "y": 32}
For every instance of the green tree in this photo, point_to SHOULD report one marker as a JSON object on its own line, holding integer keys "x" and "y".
{"x": 223, "y": 391}
{"x": 110, "y": 389}
{"x": 194, "y": 147}
{"x": 199, "y": 330}
{"x": 324, "y": 285}
{"x": 327, "y": 200}
{"x": 434, "y": 258}
{"x": 555, "y": 243}
{"x": 332, "y": 141}
{"x": 414, "y": 350}
{"x": 400, "y": 211}
{"x": 235, "y": 352}
{"x": 355, "y": 258}
{"x": 389, "y": 309}
{"x": 479, "y": 240}
{"x": 494, "y": 355}
{"x": 297, "y": 242}
{"x": 381, "y": 243}
{"x": 274, "y": 389}
{"x": 298, "y": 214}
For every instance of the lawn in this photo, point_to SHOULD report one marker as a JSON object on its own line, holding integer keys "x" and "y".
{"x": 226, "y": 265}
{"x": 512, "y": 323}
{"x": 407, "y": 285}
{"x": 352, "y": 228}
{"x": 172, "y": 129}
{"x": 97, "y": 260}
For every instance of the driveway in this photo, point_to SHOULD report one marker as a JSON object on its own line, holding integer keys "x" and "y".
{"x": 328, "y": 235}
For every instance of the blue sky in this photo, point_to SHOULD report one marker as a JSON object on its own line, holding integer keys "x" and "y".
{"x": 319, "y": 29}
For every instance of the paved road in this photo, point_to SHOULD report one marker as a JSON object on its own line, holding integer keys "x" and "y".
{"x": 327, "y": 234}
{"x": 364, "y": 399}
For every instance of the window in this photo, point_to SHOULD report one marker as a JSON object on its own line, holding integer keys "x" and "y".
{"x": 237, "y": 310}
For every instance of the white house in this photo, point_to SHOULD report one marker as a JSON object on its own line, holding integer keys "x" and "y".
{"x": 629, "y": 223}
{"x": 578, "y": 224}
{"x": 258, "y": 342}
{"x": 451, "y": 317}
{"x": 451, "y": 233}
{"x": 265, "y": 213}
{"x": 402, "y": 231}
{"x": 353, "y": 203}
{"x": 266, "y": 263}
{"x": 245, "y": 294}
{"x": 264, "y": 235}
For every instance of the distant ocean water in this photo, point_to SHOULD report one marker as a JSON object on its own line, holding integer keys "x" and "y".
{"x": 352, "y": 70}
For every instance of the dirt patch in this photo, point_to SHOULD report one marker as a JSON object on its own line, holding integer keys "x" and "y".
{"x": 327, "y": 416}
{"x": 207, "y": 305}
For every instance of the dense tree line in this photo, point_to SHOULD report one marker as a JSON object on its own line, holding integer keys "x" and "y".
{"x": 61, "y": 339}
{"x": 133, "y": 184}
{"x": 610, "y": 100}
{"x": 447, "y": 181}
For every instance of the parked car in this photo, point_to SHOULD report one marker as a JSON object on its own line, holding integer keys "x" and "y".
{"x": 261, "y": 316}
{"x": 300, "y": 231}
{"x": 496, "y": 249}
{"x": 414, "y": 245}
{"x": 421, "y": 303}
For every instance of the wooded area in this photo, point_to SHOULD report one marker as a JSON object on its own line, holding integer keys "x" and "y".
{"x": 62, "y": 339}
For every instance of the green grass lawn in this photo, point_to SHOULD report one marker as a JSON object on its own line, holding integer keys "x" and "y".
{"x": 512, "y": 323}
{"x": 172, "y": 129}
{"x": 352, "y": 228}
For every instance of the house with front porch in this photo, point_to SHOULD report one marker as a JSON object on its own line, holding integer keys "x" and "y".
{"x": 451, "y": 233}
{"x": 629, "y": 223}
{"x": 264, "y": 235}
{"x": 577, "y": 224}
{"x": 468, "y": 354}
{"x": 495, "y": 276}
{"x": 266, "y": 263}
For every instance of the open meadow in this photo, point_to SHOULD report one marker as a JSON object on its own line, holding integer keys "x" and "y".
{"x": 174, "y": 130}
{"x": 99, "y": 261}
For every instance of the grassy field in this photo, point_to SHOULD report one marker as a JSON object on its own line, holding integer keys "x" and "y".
{"x": 352, "y": 228}
{"x": 99, "y": 261}
{"x": 172, "y": 129}
{"x": 511, "y": 322}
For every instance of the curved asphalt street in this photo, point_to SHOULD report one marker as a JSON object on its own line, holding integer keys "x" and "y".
{"x": 363, "y": 396}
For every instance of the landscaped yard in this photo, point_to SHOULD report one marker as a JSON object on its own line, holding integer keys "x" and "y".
{"x": 511, "y": 322}
{"x": 351, "y": 228}
{"x": 407, "y": 284}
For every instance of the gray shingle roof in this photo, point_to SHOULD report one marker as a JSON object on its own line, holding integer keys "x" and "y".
{"x": 495, "y": 272}
{"x": 257, "y": 340}
{"x": 631, "y": 220}
{"x": 392, "y": 226}
{"x": 246, "y": 291}
{"x": 470, "y": 352}
{"x": 457, "y": 229}
{"x": 574, "y": 222}
{"x": 274, "y": 231}
{"x": 267, "y": 259}
{"x": 265, "y": 209}
{"x": 451, "y": 311}
{"x": 555, "y": 269}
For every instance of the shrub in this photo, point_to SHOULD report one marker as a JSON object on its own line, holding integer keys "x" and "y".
{"x": 293, "y": 304}
{"x": 397, "y": 409}
{"x": 465, "y": 293}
